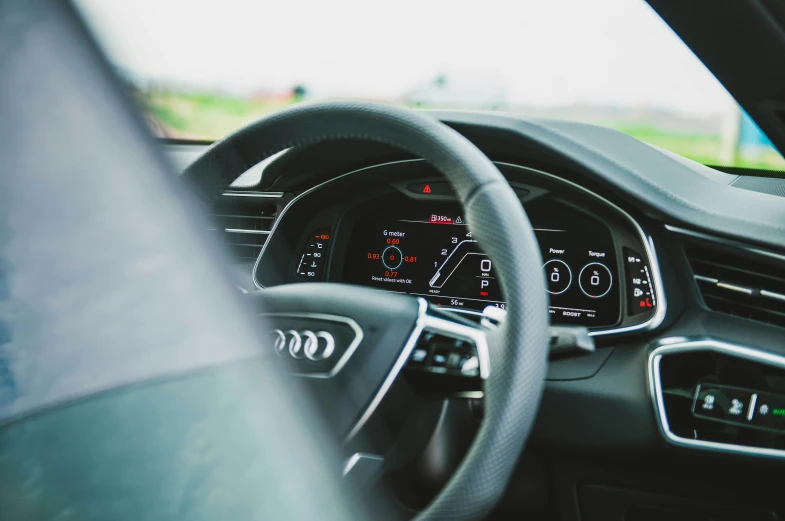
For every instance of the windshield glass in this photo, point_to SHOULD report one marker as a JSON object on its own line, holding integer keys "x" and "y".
{"x": 204, "y": 69}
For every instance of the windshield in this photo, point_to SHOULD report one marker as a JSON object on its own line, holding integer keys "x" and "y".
{"x": 204, "y": 69}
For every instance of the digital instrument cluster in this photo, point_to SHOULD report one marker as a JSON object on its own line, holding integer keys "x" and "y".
{"x": 430, "y": 252}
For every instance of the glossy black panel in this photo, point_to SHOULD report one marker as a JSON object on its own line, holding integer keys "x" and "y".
{"x": 708, "y": 396}
{"x": 424, "y": 248}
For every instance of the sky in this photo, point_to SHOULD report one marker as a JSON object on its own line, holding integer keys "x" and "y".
{"x": 541, "y": 53}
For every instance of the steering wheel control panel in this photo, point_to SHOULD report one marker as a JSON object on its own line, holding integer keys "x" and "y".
{"x": 428, "y": 250}
{"x": 439, "y": 353}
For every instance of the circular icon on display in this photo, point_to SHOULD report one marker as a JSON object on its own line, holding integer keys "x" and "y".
{"x": 595, "y": 280}
{"x": 557, "y": 275}
{"x": 392, "y": 257}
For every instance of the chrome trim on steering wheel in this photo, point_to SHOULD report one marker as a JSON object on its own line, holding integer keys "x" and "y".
{"x": 426, "y": 323}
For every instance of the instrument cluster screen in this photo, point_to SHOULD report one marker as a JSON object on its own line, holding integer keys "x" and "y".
{"x": 429, "y": 251}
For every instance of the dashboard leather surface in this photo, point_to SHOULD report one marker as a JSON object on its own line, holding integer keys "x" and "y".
{"x": 671, "y": 186}
{"x": 687, "y": 193}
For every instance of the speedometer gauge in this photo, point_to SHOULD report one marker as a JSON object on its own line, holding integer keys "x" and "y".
{"x": 433, "y": 254}
{"x": 438, "y": 250}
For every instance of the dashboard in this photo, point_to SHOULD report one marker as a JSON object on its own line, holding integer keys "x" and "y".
{"x": 409, "y": 235}
{"x": 683, "y": 332}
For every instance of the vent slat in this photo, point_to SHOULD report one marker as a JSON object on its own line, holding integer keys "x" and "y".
{"x": 260, "y": 217}
{"x": 244, "y": 224}
{"x": 740, "y": 286}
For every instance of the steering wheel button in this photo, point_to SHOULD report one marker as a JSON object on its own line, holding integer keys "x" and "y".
{"x": 470, "y": 365}
{"x": 418, "y": 356}
{"x": 453, "y": 361}
{"x": 439, "y": 359}
{"x": 428, "y": 337}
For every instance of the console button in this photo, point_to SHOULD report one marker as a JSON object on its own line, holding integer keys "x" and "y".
{"x": 715, "y": 402}
{"x": 769, "y": 412}
{"x": 443, "y": 354}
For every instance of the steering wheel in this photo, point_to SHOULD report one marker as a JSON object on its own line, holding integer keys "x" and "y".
{"x": 512, "y": 358}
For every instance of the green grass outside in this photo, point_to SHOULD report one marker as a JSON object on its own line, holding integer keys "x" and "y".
{"x": 205, "y": 116}
{"x": 208, "y": 116}
{"x": 703, "y": 148}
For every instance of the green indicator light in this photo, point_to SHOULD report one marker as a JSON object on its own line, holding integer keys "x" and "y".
{"x": 778, "y": 412}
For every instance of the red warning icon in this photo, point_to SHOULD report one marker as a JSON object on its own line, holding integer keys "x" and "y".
{"x": 427, "y": 189}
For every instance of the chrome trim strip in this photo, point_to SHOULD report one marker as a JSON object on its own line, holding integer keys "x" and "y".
{"x": 356, "y": 458}
{"x": 771, "y": 294}
{"x": 252, "y": 232}
{"x": 470, "y": 395}
{"x": 725, "y": 242}
{"x": 254, "y": 195}
{"x": 474, "y": 335}
{"x": 358, "y": 337}
{"x": 682, "y": 345}
{"x": 737, "y": 289}
{"x": 396, "y": 369}
{"x": 706, "y": 279}
{"x": 647, "y": 242}
{"x": 425, "y": 323}
{"x": 303, "y": 194}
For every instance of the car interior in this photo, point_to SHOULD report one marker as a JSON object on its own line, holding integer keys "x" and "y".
{"x": 347, "y": 309}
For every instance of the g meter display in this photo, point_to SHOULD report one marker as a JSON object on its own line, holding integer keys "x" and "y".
{"x": 434, "y": 255}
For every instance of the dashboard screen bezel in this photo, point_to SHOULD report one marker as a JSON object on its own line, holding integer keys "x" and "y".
{"x": 360, "y": 219}
{"x": 327, "y": 205}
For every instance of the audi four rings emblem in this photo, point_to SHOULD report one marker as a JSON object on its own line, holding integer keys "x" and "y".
{"x": 303, "y": 344}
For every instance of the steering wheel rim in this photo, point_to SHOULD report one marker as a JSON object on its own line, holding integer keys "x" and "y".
{"x": 517, "y": 349}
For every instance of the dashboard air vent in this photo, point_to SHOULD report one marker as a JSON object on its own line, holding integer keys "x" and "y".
{"x": 244, "y": 223}
{"x": 740, "y": 286}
